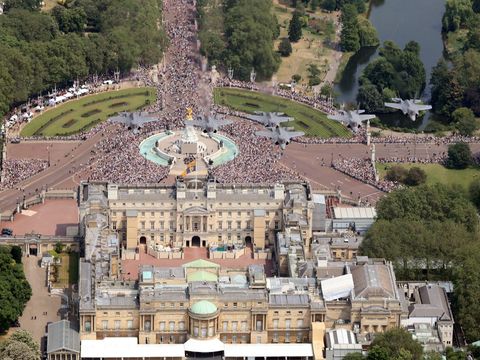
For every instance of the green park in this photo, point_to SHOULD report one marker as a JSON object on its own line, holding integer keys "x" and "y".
{"x": 307, "y": 119}
{"x": 437, "y": 173}
{"x": 80, "y": 115}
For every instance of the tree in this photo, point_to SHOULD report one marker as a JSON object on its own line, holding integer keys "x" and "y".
{"x": 22, "y": 4}
{"x": 250, "y": 29}
{"x": 285, "y": 47}
{"x": 349, "y": 38}
{"x": 314, "y": 4}
{"x": 396, "y": 173}
{"x": 397, "y": 341}
{"x": 296, "y": 78}
{"x": 457, "y": 13}
{"x": 474, "y": 191}
{"x": 14, "y": 289}
{"x": 59, "y": 247}
{"x": 16, "y": 252}
{"x": 465, "y": 121}
{"x": 367, "y": 33}
{"x": 447, "y": 94}
{"x": 459, "y": 156}
{"x": 370, "y": 98}
{"x": 295, "y": 27}
{"x": 329, "y": 5}
{"x": 20, "y": 346}
{"x": 415, "y": 176}
{"x": 354, "y": 356}
{"x": 313, "y": 75}
{"x": 429, "y": 203}
{"x": 467, "y": 284}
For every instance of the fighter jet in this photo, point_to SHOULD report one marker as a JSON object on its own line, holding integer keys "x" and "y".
{"x": 279, "y": 135}
{"x": 352, "y": 119}
{"x": 209, "y": 124}
{"x": 409, "y": 107}
{"x": 133, "y": 120}
{"x": 269, "y": 119}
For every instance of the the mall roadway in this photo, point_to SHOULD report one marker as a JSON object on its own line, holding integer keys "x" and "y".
{"x": 313, "y": 161}
{"x": 57, "y": 175}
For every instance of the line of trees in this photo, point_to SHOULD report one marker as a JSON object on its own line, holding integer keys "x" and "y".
{"x": 15, "y": 290}
{"x": 431, "y": 232}
{"x": 457, "y": 85}
{"x": 357, "y": 31}
{"x": 239, "y": 34}
{"x": 42, "y": 50}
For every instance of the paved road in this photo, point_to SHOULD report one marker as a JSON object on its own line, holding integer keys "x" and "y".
{"x": 313, "y": 161}
{"x": 56, "y": 174}
{"x": 33, "y": 319}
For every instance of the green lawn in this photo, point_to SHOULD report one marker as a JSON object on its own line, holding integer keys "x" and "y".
{"x": 68, "y": 269}
{"x": 79, "y": 115}
{"x": 307, "y": 119}
{"x": 437, "y": 173}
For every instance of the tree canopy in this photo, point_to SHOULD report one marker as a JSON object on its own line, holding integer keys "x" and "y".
{"x": 395, "y": 70}
{"x": 458, "y": 85}
{"x": 240, "y": 35}
{"x": 459, "y": 156}
{"x": 432, "y": 230}
{"x": 19, "y": 346}
{"x": 42, "y": 50}
{"x": 15, "y": 291}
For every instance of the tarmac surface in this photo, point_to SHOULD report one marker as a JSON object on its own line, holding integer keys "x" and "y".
{"x": 312, "y": 161}
{"x": 42, "y": 306}
{"x": 51, "y": 218}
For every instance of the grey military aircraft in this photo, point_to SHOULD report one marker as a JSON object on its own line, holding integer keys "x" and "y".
{"x": 133, "y": 120}
{"x": 210, "y": 123}
{"x": 352, "y": 118}
{"x": 269, "y": 119}
{"x": 410, "y": 107}
{"x": 279, "y": 135}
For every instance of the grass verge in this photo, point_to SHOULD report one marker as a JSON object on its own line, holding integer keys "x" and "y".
{"x": 437, "y": 173}
{"x": 79, "y": 115}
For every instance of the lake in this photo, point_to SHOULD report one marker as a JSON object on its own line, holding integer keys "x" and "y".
{"x": 400, "y": 21}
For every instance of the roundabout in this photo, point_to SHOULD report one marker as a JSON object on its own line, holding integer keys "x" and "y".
{"x": 188, "y": 150}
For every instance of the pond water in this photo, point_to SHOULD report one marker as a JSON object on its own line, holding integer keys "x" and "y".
{"x": 400, "y": 21}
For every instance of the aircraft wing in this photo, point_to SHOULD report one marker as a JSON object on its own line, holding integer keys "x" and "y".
{"x": 267, "y": 134}
{"x": 196, "y": 122}
{"x": 366, "y": 117}
{"x": 277, "y": 119}
{"x": 418, "y": 107}
{"x": 394, "y": 105}
{"x": 223, "y": 122}
{"x": 260, "y": 118}
{"x": 337, "y": 117}
{"x": 119, "y": 119}
{"x": 293, "y": 134}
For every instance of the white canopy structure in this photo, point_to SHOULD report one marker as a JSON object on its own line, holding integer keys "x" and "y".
{"x": 337, "y": 287}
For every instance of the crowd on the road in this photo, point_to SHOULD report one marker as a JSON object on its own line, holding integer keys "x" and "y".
{"x": 15, "y": 171}
{"x": 181, "y": 84}
{"x": 257, "y": 161}
{"x": 363, "y": 170}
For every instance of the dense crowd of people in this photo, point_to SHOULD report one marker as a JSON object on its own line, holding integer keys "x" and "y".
{"x": 182, "y": 83}
{"x": 15, "y": 171}
{"x": 363, "y": 170}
